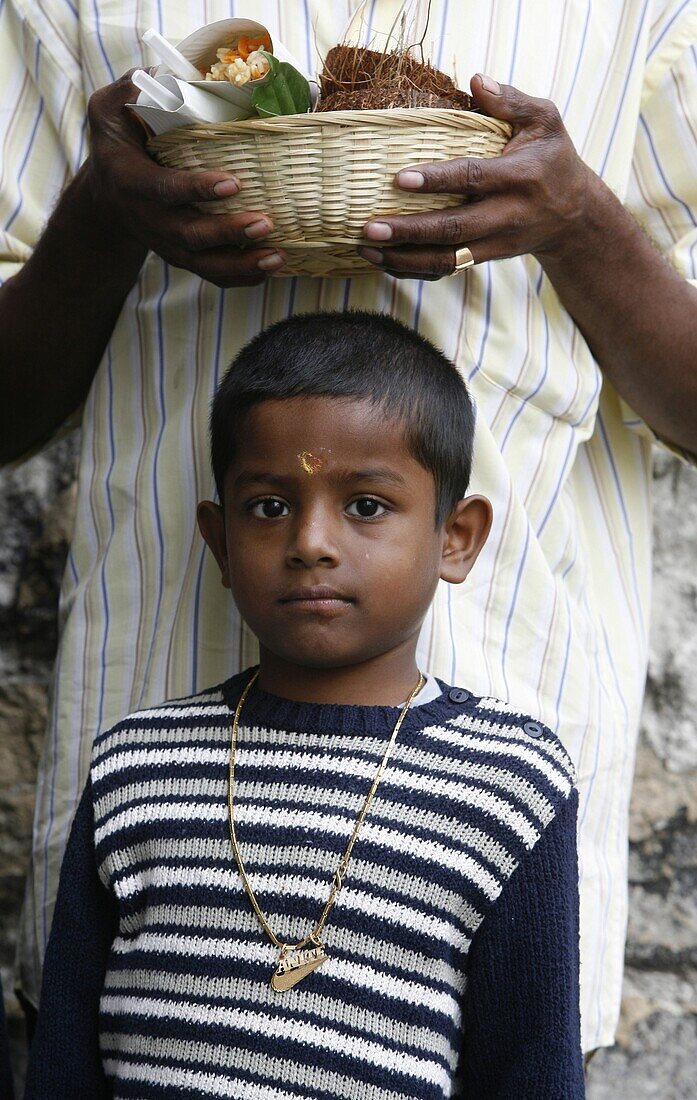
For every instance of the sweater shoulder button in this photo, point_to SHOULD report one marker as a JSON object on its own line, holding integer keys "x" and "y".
{"x": 458, "y": 695}
{"x": 533, "y": 729}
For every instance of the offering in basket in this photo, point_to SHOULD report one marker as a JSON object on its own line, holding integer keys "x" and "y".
{"x": 323, "y": 171}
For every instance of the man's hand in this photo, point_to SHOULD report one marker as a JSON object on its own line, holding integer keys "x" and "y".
{"x": 638, "y": 316}
{"x": 531, "y": 199}
{"x": 61, "y": 307}
{"x": 153, "y": 205}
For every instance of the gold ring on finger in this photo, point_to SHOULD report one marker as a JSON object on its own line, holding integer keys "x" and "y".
{"x": 463, "y": 260}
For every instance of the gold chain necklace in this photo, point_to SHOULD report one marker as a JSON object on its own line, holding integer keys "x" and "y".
{"x": 296, "y": 960}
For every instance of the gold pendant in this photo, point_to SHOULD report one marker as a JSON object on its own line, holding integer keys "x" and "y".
{"x": 293, "y": 966}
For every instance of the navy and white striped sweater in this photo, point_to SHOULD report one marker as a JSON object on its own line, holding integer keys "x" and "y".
{"x": 453, "y": 945}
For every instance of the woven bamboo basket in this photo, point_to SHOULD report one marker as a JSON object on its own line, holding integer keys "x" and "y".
{"x": 321, "y": 176}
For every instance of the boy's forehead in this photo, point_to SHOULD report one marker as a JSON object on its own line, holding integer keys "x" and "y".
{"x": 318, "y": 433}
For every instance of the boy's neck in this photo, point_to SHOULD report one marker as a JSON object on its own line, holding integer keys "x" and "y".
{"x": 385, "y": 680}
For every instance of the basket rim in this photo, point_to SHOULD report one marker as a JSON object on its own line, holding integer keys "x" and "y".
{"x": 393, "y": 116}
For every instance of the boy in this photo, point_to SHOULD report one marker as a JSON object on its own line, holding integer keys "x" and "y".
{"x": 332, "y": 876}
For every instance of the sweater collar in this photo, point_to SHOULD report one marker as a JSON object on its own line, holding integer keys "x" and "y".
{"x": 274, "y": 712}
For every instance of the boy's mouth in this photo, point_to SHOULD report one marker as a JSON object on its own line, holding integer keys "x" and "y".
{"x": 319, "y": 598}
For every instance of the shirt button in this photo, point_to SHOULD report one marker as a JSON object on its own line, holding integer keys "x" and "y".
{"x": 458, "y": 695}
{"x": 533, "y": 729}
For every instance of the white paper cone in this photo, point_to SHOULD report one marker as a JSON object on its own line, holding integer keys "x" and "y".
{"x": 210, "y": 100}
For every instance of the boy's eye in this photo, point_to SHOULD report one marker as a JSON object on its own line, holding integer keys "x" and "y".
{"x": 366, "y": 508}
{"x": 269, "y": 508}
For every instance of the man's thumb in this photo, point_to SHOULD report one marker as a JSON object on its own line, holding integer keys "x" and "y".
{"x": 502, "y": 101}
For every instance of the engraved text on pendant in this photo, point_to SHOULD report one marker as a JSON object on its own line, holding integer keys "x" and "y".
{"x": 293, "y": 966}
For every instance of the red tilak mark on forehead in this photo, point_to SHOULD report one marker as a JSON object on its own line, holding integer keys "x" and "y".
{"x": 310, "y": 462}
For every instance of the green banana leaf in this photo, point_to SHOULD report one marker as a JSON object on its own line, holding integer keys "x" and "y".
{"x": 286, "y": 93}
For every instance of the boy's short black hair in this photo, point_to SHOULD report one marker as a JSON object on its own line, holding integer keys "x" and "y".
{"x": 364, "y": 356}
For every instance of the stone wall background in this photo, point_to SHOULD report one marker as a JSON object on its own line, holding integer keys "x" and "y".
{"x": 656, "y": 1054}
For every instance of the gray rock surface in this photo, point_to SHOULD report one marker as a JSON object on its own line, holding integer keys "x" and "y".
{"x": 36, "y": 508}
{"x": 658, "y": 1063}
{"x": 656, "y": 1053}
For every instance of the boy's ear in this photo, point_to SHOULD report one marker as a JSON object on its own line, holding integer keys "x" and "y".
{"x": 211, "y": 524}
{"x": 466, "y": 530}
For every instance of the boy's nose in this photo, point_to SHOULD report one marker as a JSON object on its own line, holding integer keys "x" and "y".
{"x": 313, "y": 542}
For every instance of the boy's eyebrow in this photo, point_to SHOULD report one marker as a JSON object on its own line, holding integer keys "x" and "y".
{"x": 252, "y": 477}
{"x": 370, "y": 473}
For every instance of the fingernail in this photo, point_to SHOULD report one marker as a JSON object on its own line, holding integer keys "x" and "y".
{"x": 372, "y": 254}
{"x": 225, "y": 188}
{"x": 489, "y": 84}
{"x": 410, "y": 179}
{"x": 258, "y": 229}
{"x": 269, "y": 263}
{"x": 378, "y": 231}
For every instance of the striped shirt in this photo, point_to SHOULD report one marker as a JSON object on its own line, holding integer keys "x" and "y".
{"x": 555, "y": 616}
{"x": 452, "y": 945}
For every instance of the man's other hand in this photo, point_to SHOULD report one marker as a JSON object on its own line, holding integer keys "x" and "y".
{"x": 154, "y": 205}
{"x": 531, "y": 199}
